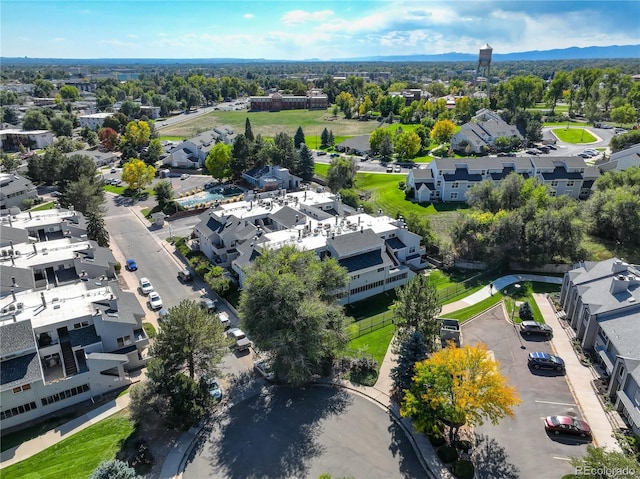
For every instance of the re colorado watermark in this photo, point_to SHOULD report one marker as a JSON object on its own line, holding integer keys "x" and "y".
{"x": 611, "y": 472}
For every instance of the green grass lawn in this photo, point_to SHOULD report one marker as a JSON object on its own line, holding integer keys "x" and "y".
{"x": 44, "y": 206}
{"x": 469, "y": 312}
{"x": 118, "y": 190}
{"x": 268, "y": 124}
{"x": 77, "y": 456}
{"x": 171, "y": 138}
{"x": 375, "y": 343}
{"x": 574, "y": 135}
{"x": 565, "y": 123}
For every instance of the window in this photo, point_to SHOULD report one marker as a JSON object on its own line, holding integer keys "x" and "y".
{"x": 438, "y": 183}
{"x": 552, "y": 193}
{"x": 367, "y": 287}
{"x": 19, "y": 389}
{"x": 454, "y": 184}
{"x": 621, "y": 371}
{"x": 570, "y": 183}
{"x": 82, "y": 324}
{"x": 454, "y": 196}
{"x": 554, "y": 183}
{"x": 636, "y": 398}
{"x": 412, "y": 249}
{"x": 380, "y": 270}
{"x": 603, "y": 336}
{"x": 18, "y": 410}
{"x": 124, "y": 341}
{"x": 54, "y": 398}
{"x": 398, "y": 277}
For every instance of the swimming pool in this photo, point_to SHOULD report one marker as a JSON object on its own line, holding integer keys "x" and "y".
{"x": 210, "y": 196}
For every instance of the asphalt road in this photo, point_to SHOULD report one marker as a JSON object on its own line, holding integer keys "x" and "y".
{"x": 519, "y": 446}
{"x": 142, "y": 242}
{"x": 295, "y": 433}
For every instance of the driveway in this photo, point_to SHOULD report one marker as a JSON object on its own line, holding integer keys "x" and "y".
{"x": 519, "y": 446}
{"x": 294, "y": 433}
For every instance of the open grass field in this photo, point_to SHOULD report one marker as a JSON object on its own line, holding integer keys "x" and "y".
{"x": 268, "y": 124}
{"x": 375, "y": 343}
{"x": 77, "y": 456}
{"x": 574, "y": 135}
{"x": 44, "y": 206}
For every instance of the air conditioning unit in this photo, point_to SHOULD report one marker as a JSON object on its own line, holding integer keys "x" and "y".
{"x": 19, "y": 306}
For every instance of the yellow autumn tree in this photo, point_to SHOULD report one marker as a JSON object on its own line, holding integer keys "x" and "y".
{"x": 458, "y": 386}
{"x": 137, "y": 133}
{"x": 443, "y": 130}
{"x": 137, "y": 174}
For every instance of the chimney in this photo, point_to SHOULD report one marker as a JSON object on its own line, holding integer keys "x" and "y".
{"x": 44, "y": 301}
{"x": 361, "y": 229}
{"x": 333, "y": 236}
{"x": 35, "y": 250}
{"x": 359, "y": 218}
{"x": 13, "y": 282}
{"x": 297, "y": 218}
{"x": 13, "y": 295}
{"x": 619, "y": 266}
{"x": 618, "y": 284}
{"x": 299, "y": 234}
{"x": 11, "y": 244}
{"x": 30, "y": 215}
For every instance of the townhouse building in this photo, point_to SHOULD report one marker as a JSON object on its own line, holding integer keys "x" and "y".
{"x": 480, "y": 135}
{"x": 93, "y": 120}
{"x": 192, "y": 153}
{"x": 379, "y": 253}
{"x": 448, "y": 179}
{"x": 12, "y": 138}
{"x": 14, "y": 189}
{"x": 68, "y": 333}
{"x": 601, "y": 302}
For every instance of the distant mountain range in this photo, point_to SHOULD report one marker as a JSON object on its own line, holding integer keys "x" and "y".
{"x": 573, "y": 53}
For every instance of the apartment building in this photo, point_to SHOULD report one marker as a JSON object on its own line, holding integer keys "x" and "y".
{"x": 601, "y": 301}
{"x": 14, "y": 189}
{"x": 313, "y": 100}
{"x": 379, "y": 253}
{"x": 448, "y": 179}
{"x": 67, "y": 331}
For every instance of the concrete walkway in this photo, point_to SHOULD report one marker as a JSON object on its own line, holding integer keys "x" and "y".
{"x": 578, "y": 376}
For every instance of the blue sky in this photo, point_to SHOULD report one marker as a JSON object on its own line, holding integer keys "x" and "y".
{"x": 295, "y": 30}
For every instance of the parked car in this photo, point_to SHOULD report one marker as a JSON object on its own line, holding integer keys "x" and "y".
{"x": 584, "y": 155}
{"x": 155, "y": 301}
{"x": 214, "y": 388}
{"x": 321, "y": 153}
{"x": 131, "y": 265}
{"x": 209, "y": 305}
{"x": 568, "y": 425}
{"x": 397, "y": 169}
{"x": 533, "y": 151}
{"x": 184, "y": 176}
{"x": 145, "y": 286}
{"x": 263, "y": 368}
{"x": 539, "y": 360}
{"x": 113, "y": 169}
{"x": 241, "y": 342}
{"x": 534, "y": 327}
{"x": 389, "y": 169}
{"x": 224, "y": 319}
{"x": 162, "y": 314}
{"x": 184, "y": 275}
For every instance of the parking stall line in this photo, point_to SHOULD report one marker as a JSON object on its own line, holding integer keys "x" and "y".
{"x": 556, "y": 403}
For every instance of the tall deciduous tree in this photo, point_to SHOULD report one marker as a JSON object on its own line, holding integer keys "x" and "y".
{"x": 458, "y": 386}
{"x": 137, "y": 174}
{"x": 164, "y": 192}
{"x": 598, "y": 459}
{"x": 75, "y": 167}
{"x": 406, "y": 144}
{"x": 417, "y": 309}
{"x": 443, "y": 131}
{"x": 84, "y": 195}
{"x": 108, "y": 138}
{"x": 218, "y": 161}
{"x": 411, "y": 351}
{"x": 96, "y": 229}
{"x": 190, "y": 339}
{"x": 70, "y": 93}
{"x": 35, "y": 120}
{"x": 137, "y": 133}
{"x": 341, "y": 173}
{"x": 288, "y": 306}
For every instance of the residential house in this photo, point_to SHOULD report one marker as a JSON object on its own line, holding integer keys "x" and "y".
{"x": 601, "y": 302}
{"x": 192, "y": 153}
{"x": 622, "y": 160}
{"x": 11, "y": 139}
{"x": 150, "y": 111}
{"x": 14, "y": 189}
{"x": 100, "y": 158}
{"x": 272, "y": 177}
{"x": 94, "y": 120}
{"x": 378, "y": 252}
{"x": 67, "y": 331}
{"x": 479, "y": 136}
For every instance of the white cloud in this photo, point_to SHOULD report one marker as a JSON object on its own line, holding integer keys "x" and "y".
{"x": 297, "y": 17}
{"x": 59, "y": 39}
{"x": 248, "y": 15}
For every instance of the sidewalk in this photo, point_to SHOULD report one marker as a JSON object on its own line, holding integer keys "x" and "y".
{"x": 579, "y": 378}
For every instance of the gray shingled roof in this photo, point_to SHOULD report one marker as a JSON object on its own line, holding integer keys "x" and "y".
{"x": 16, "y": 337}
{"x": 21, "y": 370}
{"x": 286, "y": 216}
{"x": 623, "y": 331}
{"x": 350, "y": 243}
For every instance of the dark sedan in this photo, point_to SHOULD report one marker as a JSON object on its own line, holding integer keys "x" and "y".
{"x": 131, "y": 265}
{"x": 538, "y": 360}
{"x": 533, "y": 327}
{"x": 567, "y": 425}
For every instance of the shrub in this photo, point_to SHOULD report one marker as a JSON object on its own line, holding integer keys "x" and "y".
{"x": 117, "y": 268}
{"x": 149, "y": 329}
{"x": 463, "y": 445}
{"x": 463, "y": 469}
{"x": 113, "y": 470}
{"x": 401, "y": 185}
{"x": 525, "y": 312}
{"x": 447, "y": 454}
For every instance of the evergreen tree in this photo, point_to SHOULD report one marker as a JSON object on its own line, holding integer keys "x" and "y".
{"x": 298, "y": 138}
{"x": 96, "y": 229}
{"x": 306, "y": 163}
{"x": 114, "y": 469}
{"x": 412, "y": 350}
{"x": 248, "y": 133}
{"x": 324, "y": 138}
{"x": 331, "y": 140}
{"x": 417, "y": 309}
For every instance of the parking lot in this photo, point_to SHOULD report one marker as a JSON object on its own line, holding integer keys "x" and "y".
{"x": 520, "y": 446}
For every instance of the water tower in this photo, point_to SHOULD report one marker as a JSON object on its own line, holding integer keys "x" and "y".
{"x": 484, "y": 64}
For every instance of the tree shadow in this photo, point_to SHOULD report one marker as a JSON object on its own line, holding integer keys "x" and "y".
{"x": 273, "y": 434}
{"x": 400, "y": 447}
{"x": 491, "y": 460}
